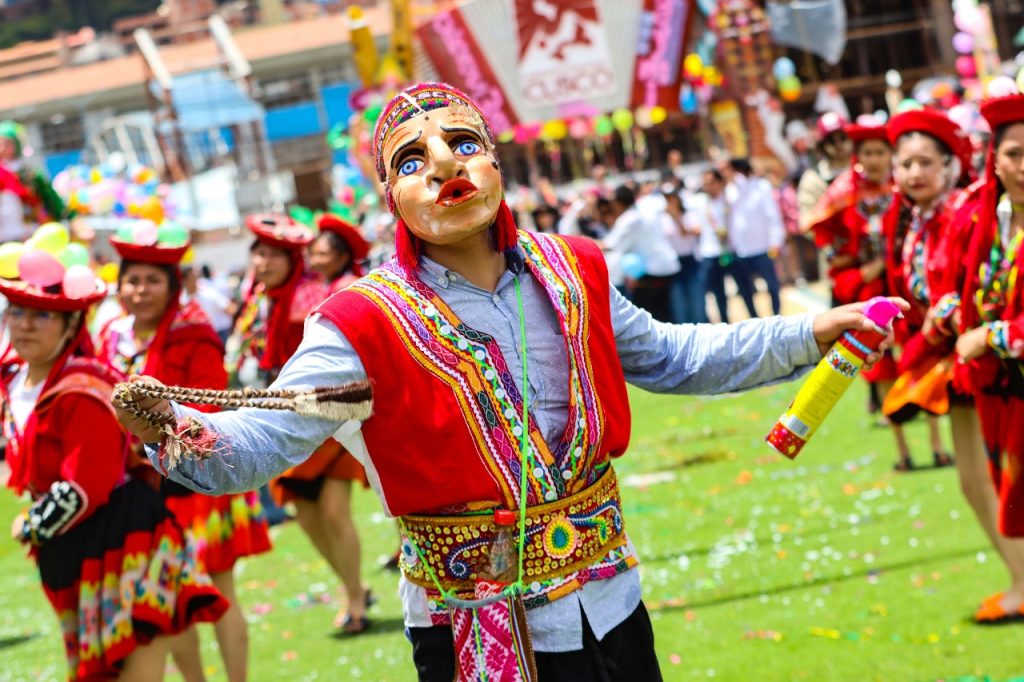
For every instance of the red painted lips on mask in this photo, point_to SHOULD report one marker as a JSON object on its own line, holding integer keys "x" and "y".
{"x": 456, "y": 191}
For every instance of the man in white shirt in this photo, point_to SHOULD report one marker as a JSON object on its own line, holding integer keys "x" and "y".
{"x": 756, "y": 229}
{"x": 683, "y": 232}
{"x": 718, "y": 256}
{"x": 633, "y": 233}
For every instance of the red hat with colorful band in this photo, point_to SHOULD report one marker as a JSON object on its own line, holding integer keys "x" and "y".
{"x": 931, "y": 123}
{"x": 280, "y": 231}
{"x": 357, "y": 246}
{"x": 154, "y": 254}
{"x": 1002, "y": 111}
{"x": 29, "y": 296}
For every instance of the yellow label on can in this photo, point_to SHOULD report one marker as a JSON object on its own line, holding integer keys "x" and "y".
{"x": 821, "y": 391}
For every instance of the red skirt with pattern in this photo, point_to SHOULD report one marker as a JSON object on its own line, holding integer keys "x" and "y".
{"x": 224, "y": 528}
{"x": 1001, "y": 410}
{"x": 122, "y": 577}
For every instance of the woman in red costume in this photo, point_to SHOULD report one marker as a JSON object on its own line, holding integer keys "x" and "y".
{"x": 113, "y": 561}
{"x": 159, "y": 337}
{"x": 931, "y": 159}
{"x": 279, "y": 294}
{"x": 992, "y": 338}
{"x": 321, "y": 487}
{"x": 848, "y": 223}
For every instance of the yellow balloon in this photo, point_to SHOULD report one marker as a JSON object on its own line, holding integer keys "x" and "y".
{"x": 555, "y": 129}
{"x": 693, "y": 65}
{"x": 188, "y": 257}
{"x": 658, "y": 114}
{"x": 108, "y": 273}
{"x": 152, "y": 209}
{"x": 50, "y": 237}
{"x": 10, "y": 252}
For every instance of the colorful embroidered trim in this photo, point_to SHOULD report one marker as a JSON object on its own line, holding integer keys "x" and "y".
{"x": 944, "y": 309}
{"x": 999, "y": 338}
{"x": 562, "y": 537}
{"x": 471, "y": 364}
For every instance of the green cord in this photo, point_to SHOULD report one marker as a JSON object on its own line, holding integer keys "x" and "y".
{"x": 525, "y": 440}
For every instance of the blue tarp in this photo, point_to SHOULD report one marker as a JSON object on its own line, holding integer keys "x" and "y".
{"x": 206, "y": 100}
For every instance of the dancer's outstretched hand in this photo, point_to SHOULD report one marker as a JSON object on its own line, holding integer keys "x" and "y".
{"x": 139, "y": 427}
{"x": 830, "y": 325}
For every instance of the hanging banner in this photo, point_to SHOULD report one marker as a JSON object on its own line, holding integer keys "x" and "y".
{"x": 657, "y": 75}
{"x": 563, "y": 52}
{"x": 453, "y": 50}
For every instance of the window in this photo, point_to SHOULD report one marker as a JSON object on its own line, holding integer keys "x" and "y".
{"x": 284, "y": 92}
{"x": 63, "y": 134}
{"x": 339, "y": 71}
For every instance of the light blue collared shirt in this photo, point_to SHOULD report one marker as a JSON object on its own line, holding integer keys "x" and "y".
{"x": 681, "y": 359}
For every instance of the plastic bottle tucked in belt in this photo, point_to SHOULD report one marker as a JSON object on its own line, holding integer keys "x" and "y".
{"x": 503, "y": 557}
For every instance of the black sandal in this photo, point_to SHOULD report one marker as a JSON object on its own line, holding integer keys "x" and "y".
{"x": 903, "y": 464}
{"x": 942, "y": 459}
{"x": 350, "y": 627}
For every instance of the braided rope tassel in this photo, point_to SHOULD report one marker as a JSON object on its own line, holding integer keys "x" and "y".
{"x": 190, "y": 439}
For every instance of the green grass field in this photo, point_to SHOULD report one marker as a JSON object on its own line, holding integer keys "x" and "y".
{"x": 754, "y": 567}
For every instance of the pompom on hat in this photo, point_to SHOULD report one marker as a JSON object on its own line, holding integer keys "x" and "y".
{"x": 414, "y": 101}
{"x": 280, "y": 231}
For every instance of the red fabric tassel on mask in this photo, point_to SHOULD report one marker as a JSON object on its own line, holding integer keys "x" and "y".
{"x": 409, "y": 247}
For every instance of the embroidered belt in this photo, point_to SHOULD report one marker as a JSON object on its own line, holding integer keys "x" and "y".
{"x": 562, "y": 537}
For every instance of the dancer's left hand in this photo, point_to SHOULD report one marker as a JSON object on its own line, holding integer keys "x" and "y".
{"x": 973, "y": 344}
{"x": 18, "y": 527}
{"x": 831, "y": 324}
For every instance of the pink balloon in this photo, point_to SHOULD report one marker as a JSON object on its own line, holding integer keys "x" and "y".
{"x": 79, "y": 282}
{"x": 40, "y": 268}
{"x": 966, "y": 67}
{"x": 969, "y": 20}
{"x": 960, "y": 115}
{"x": 144, "y": 233}
{"x": 579, "y": 128}
{"x": 963, "y": 43}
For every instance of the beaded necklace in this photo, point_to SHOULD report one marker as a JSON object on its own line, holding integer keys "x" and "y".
{"x": 998, "y": 277}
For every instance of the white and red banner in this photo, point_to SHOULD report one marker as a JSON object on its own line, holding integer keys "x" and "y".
{"x": 563, "y": 51}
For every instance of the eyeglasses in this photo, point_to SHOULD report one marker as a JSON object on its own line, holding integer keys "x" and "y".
{"x": 23, "y": 315}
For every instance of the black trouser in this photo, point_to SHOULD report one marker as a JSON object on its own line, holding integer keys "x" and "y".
{"x": 626, "y": 654}
{"x": 653, "y": 294}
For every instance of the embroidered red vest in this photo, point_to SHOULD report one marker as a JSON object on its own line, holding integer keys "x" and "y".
{"x": 445, "y": 433}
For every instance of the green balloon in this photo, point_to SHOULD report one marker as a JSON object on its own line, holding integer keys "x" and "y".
{"x": 74, "y": 254}
{"x": 603, "y": 125}
{"x": 909, "y": 104}
{"x": 171, "y": 234}
{"x": 372, "y": 113}
{"x": 124, "y": 232}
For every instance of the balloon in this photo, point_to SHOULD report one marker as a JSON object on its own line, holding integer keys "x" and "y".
{"x": 658, "y": 114}
{"x": 969, "y": 20}
{"x": 79, "y": 281}
{"x": 643, "y": 117}
{"x": 790, "y": 94}
{"x": 783, "y": 68}
{"x": 144, "y": 233}
{"x": 603, "y": 125}
{"x": 941, "y": 90}
{"x": 40, "y": 268}
{"x": 171, "y": 234}
{"x": 347, "y": 196}
{"x": 960, "y": 115}
{"x": 1001, "y": 86}
{"x": 790, "y": 83}
{"x": 632, "y": 265}
{"x": 579, "y": 128}
{"x": 963, "y": 43}
{"x": 554, "y": 129}
{"x": 693, "y": 65}
{"x": 622, "y": 119}
{"x": 507, "y": 136}
{"x": 152, "y": 209}
{"x": 189, "y": 256}
{"x": 108, "y": 273}
{"x": 51, "y": 237}
{"x": 893, "y": 79}
{"x": 1020, "y": 79}
{"x": 10, "y": 252}
{"x": 74, "y": 254}
{"x": 687, "y": 100}
{"x": 124, "y": 232}
{"x": 909, "y": 104}
{"x": 966, "y": 67}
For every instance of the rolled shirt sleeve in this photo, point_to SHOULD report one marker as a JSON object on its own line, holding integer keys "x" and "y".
{"x": 705, "y": 359}
{"x": 255, "y": 445}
